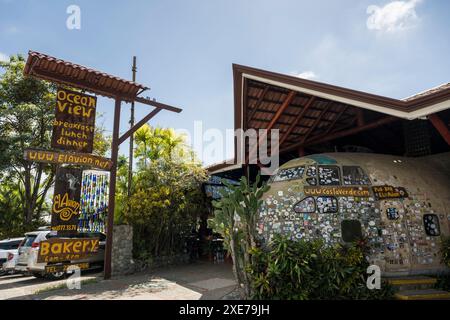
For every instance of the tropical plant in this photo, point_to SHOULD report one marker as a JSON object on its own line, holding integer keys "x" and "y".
{"x": 235, "y": 218}
{"x": 445, "y": 250}
{"x": 303, "y": 270}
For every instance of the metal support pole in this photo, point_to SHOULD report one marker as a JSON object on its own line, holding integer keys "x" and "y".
{"x": 112, "y": 189}
{"x": 130, "y": 157}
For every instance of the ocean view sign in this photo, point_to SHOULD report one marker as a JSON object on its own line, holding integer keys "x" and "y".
{"x": 74, "y": 124}
{"x": 66, "y": 200}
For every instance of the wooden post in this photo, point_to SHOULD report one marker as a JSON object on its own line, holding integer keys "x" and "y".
{"x": 112, "y": 190}
{"x": 130, "y": 157}
{"x": 440, "y": 126}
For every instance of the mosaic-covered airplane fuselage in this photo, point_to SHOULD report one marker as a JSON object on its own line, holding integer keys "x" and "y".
{"x": 400, "y": 205}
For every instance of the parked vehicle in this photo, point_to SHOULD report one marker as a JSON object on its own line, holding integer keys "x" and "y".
{"x": 8, "y": 254}
{"x": 28, "y": 254}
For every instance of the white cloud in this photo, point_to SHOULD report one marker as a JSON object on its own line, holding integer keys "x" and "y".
{"x": 310, "y": 75}
{"x": 394, "y": 16}
{"x": 4, "y": 57}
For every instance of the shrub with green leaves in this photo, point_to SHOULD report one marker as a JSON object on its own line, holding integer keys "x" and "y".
{"x": 304, "y": 270}
{"x": 445, "y": 250}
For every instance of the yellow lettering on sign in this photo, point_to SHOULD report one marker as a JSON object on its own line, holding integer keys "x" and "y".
{"x": 57, "y": 248}
{"x": 76, "y": 247}
{"x": 67, "y": 246}
{"x": 44, "y": 248}
{"x": 94, "y": 243}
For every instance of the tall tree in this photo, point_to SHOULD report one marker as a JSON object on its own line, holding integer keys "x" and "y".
{"x": 26, "y": 114}
{"x": 167, "y": 197}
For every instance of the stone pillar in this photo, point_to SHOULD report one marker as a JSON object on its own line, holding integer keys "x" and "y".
{"x": 122, "y": 250}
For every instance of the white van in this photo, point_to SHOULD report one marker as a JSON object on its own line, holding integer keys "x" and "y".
{"x": 9, "y": 254}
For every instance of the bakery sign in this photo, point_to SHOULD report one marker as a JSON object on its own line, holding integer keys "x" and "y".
{"x": 64, "y": 250}
{"x": 74, "y": 123}
{"x": 389, "y": 192}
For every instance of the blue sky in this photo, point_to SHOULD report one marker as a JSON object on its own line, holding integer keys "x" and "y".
{"x": 185, "y": 49}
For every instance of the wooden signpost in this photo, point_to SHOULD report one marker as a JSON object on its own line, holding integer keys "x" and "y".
{"x": 74, "y": 125}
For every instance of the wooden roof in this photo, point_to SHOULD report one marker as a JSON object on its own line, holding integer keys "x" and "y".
{"x": 310, "y": 113}
{"x": 62, "y": 72}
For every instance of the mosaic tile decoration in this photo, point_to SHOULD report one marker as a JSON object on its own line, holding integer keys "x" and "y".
{"x": 402, "y": 231}
{"x": 354, "y": 175}
{"x": 289, "y": 174}
{"x": 329, "y": 176}
{"x": 431, "y": 222}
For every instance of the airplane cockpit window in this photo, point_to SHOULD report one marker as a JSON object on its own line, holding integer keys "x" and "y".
{"x": 329, "y": 176}
{"x": 327, "y": 204}
{"x": 431, "y": 223}
{"x": 311, "y": 171}
{"x": 354, "y": 175}
{"x": 307, "y": 205}
{"x": 289, "y": 174}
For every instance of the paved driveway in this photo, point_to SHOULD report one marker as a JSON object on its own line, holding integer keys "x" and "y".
{"x": 19, "y": 286}
{"x": 197, "y": 281}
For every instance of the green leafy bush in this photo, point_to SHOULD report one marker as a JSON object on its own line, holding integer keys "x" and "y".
{"x": 443, "y": 282}
{"x": 445, "y": 250}
{"x": 303, "y": 270}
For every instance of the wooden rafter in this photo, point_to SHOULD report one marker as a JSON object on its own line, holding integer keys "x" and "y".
{"x": 281, "y": 109}
{"x": 297, "y": 119}
{"x": 360, "y": 117}
{"x": 258, "y": 103}
{"x": 316, "y": 122}
{"x": 275, "y": 118}
{"x": 440, "y": 126}
{"x": 328, "y": 137}
{"x": 336, "y": 119}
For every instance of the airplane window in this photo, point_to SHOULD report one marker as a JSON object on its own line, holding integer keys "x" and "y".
{"x": 327, "y": 204}
{"x": 351, "y": 230}
{"x": 354, "y": 175}
{"x": 431, "y": 223}
{"x": 289, "y": 174}
{"x": 329, "y": 176}
{"x": 392, "y": 213}
{"x": 307, "y": 205}
{"x": 311, "y": 181}
{"x": 311, "y": 171}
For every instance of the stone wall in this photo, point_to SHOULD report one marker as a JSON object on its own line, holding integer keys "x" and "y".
{"x": 122, "y": 250}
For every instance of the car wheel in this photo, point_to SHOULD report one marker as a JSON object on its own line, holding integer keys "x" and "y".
{"x": 56, "y": 275}
{"x": 37, "y": 275}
